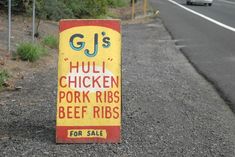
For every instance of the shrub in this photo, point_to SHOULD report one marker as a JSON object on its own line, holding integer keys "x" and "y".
{"x": 17, "y": 5}
{"x": 3, "y": 77}
{"x": 29, "y": 51}
{"x": 117, "y": 3}
{"x": 59, "y": 9}
{"x": 54, "y": 10}
{"x": 87, "y": 8}
{"x": 50, "y": 41}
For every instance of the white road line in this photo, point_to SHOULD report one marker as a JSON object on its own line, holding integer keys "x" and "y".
{"x": 225, "y": 1}
{"x": 203, "y": 16}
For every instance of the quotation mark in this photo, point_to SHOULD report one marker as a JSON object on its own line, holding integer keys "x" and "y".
{"x": 110, "y": 59}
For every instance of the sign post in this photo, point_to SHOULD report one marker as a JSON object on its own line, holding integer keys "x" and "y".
{"x": 145, "y": 7}
{"x": 89, "y": 82}
{"x": 133, "y": 9}
{"x": 9, "y": 26}
{"x": 33, "y": 21}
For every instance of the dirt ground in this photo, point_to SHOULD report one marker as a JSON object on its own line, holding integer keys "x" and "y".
{"x": 21, "y": 32}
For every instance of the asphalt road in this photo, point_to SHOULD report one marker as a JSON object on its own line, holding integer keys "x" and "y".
{"x": 208, "y": 46}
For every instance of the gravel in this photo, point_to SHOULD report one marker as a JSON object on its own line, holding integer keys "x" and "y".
{"x": 168, "y": 108}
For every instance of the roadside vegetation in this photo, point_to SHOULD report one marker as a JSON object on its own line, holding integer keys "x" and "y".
{"x": 3, "y": 77}
{"x": 117, "y": 3}
{"x": 58, "y": 9}
{"x": 50, "y": 41}
{"x": 52, "y": 10}
{"x": 30, "y": 51}
{"x": 63, "y": 9}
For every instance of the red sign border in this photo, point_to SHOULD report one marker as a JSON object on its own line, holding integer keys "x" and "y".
{"x": 67, "y": 24}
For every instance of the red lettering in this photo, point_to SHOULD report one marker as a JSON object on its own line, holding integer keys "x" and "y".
{"x": 116, "y": 96}
{"x": 61, "y": 96}
{"x": 116, "y": 113}
{"x": 69, "y": 112}
{"x": 74, "y": 82}
{"x": 96, "y": 111}
{"x": 114, "y": 82}
{"x": 77, "y": 96}
{"x": 76, "y": 112}
{"x": 61, "y": 81}
{"x": 84, "y": 81}
{"x": 84, "y": 109}
{"x": 94, "y": 69}
{"x": 61, "y": 112}
{"x": 74, "y": 67}
{"x": 88, "y": 67}
{"x": 96, "y": 82}
{"x": 110, "y": 97}
{"x": 85, "y": 96}
{"x": 98, "y": 96}
{"x": 106, "y": 82}
{"x": 108, "y": 113}
{"x": 69, "y": 97}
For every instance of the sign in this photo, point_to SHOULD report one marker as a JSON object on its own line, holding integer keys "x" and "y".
{"x": 89, "y": 82}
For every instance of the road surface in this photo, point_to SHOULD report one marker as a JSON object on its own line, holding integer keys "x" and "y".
{"x": 206, "y": 35}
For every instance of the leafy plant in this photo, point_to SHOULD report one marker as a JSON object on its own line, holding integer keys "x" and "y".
{"x": 117, "y": 3}
{"x": 63, "y": 9}
{"x": 17, "y": 5}
{"x": 87, "y": 8}
{"x": 29, "y": 51}
{"x": 50, "y": 41}
{"x": 3, "y": 77}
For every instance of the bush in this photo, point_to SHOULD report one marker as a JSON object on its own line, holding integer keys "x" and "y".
{"x": 59, "y": 9}
{"x": 55, "y": 10}
{"x": 50, "y": 41}
{"x": 29, "y": 52}
{"x": 17, "y": 5}
{"x": 87, "y": 8}
{"x": 117, "y": 3}
{"x": 3, "y": 77}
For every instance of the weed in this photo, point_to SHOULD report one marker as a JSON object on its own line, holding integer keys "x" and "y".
{"x": 29, "y": 51}
{"x": 3, "y": 77}
{"x": 117, "y": 3}
{"x": 50, "y": 41}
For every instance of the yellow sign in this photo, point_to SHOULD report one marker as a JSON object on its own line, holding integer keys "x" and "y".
{"x": 89, "y": 82}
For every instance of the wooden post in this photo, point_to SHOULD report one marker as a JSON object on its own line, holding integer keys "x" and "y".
{"x": 133, "y": 10}
{"x": 145, "y": 7}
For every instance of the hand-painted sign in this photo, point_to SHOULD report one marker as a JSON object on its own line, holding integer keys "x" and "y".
{"x": 89, "y": 82}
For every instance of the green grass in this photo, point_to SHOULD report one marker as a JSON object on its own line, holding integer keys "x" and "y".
{"x": 50, "y": 41}
{"x": 117, "y": 3}
{"x": 3, "y": 77}
{"x": 110, "y": 14}
{"x": 30, "y": 51}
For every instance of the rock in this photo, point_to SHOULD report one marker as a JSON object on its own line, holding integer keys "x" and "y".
{"x": 18, "y": 87}
{"x": 2, "y": 62}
